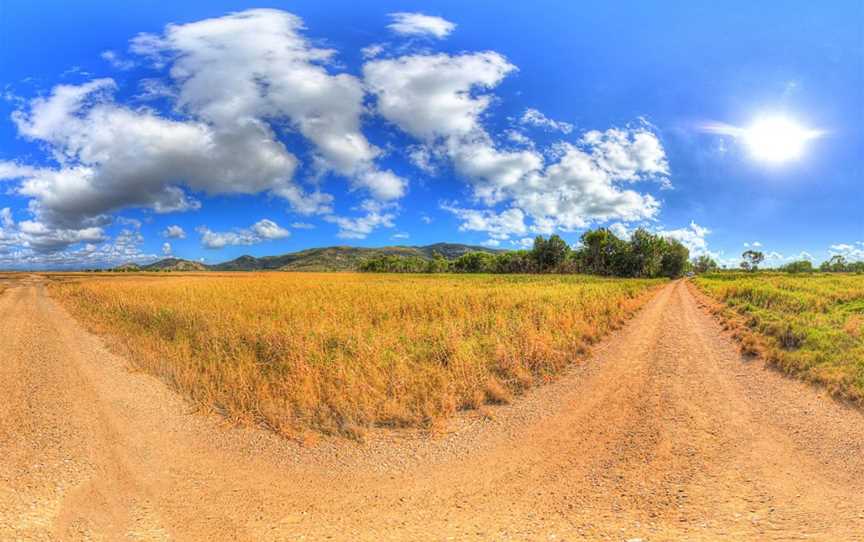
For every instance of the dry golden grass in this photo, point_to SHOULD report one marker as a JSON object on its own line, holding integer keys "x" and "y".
{"x": 341, "y": 352}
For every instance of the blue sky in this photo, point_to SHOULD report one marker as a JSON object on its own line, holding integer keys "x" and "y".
{"x": 215, "y": 129}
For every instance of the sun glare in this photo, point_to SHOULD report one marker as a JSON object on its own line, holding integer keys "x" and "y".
{"x": 777, "y": 139}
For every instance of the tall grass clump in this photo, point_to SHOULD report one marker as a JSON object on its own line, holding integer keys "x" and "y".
{"x": 808, "y": 325}
{"x": 340, "y": 352}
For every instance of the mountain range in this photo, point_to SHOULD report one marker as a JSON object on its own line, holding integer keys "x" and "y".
{"x": 338, "y": 258}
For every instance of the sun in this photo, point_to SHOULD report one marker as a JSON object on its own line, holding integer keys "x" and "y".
{"x": 777, "y": 139}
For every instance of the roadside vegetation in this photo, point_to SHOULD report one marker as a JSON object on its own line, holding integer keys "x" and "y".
{"x": 810, "y": 325}
{"x": 600, "y": 252}
{"x": 338, "y": 353}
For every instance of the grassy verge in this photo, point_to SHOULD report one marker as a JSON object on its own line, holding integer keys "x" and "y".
{"x": 808, "y": 325}
{"x": 337, "y": 353}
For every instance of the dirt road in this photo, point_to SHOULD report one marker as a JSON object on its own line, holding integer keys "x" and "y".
{"x": 664, "y": 434}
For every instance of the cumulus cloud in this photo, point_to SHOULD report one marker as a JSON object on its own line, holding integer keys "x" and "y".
{"x": 377, "y": 215}
{"x": 267, "y": 229}
{"x": 440, "y": 99}
{"x": 112, "y": 157}
{"x": 232, "y": 80}
{"x": 692, "y": 237}
{"x": 418, "y": 24}
{"x": 31, "y": 245}
{"x": 430, "y": 96}
{"x": 263, "y": 230}
{"x": 533, "y": 117}
{"x": 235, "y": 84}
{"x": 166, "y": 249}
{"x": 174, "y": 232}
{"x": 497, "y": 225}
{"x": 256, "y": 65}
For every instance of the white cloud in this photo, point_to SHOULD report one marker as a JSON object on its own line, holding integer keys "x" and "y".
{"x": 154, "y": 89}
{"x": 524, "y": 243}
{"x": 256, "y": 65}
{"x": 580, "y": 188}
{"x": 632, "y": 154}
{"x": 232, "y": 79}
{"x": 166, "y": 249}
{"x": 114, "y": 157}
{"x": 174, "y": 232}
{"x": 235, "y": 82}
{"x": 430, "y": 96}
{"x": 754, "y": 244}
{"x": 371, "y": 51}
{"x": 6, "y": 220}
{"x": 43, "y": 238}
{"x": 533, "y": 117}
{"x": 263, "y": 230}
{"x": 439, "y": 99}
{"x": 267, "y": 229}
{"x": 519, "y": 138}
{"x": 692, "y": 237}
{"x": 31, "y": 245}
{"x": 492, "y": 243}
{"x": 418, "y": 24}
{"x": 620, "y": 230}
{"x": 12, "y": 170}
{"x": 400, "y": 235}
{"x": 376, "y": 215}
{"x": 303, "y": 226}
{"x": 423, "y": 157}
{"x": 499, "y": 226}
{"x": 116, "y": 61}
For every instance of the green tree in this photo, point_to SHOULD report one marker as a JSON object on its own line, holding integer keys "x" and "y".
{"x": 549, "y": 254}
{"x": 752, "y": 259}
{"x": 800, "y": 266}
{"x": 438, "y": 264}
{"x": 704, "y": 264}
{"x": 645, "y": 255}
{"x": 836, "y": 264}
{"x": 474, "y": 262}
{"x": 675, "y": 260}
{"x": 601, "y": 252}
{"x": 516, "y": 261}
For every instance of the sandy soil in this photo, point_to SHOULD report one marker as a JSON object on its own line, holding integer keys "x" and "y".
{"x": 664, "y": 434}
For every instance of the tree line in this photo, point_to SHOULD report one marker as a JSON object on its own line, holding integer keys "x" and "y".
{"x": 751, "y": 259}
{"x": 600, "y": 252}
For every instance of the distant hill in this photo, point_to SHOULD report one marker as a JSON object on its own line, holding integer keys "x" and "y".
{"x": 175, "y": 264}
{"x": 339, "y": 258}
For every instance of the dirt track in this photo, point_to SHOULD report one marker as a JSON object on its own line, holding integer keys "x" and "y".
{"x": 664, "y": 434}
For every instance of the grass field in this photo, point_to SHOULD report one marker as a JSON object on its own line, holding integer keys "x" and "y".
{"x": 341, "y": 352}
{"x": 808, "y": 325}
